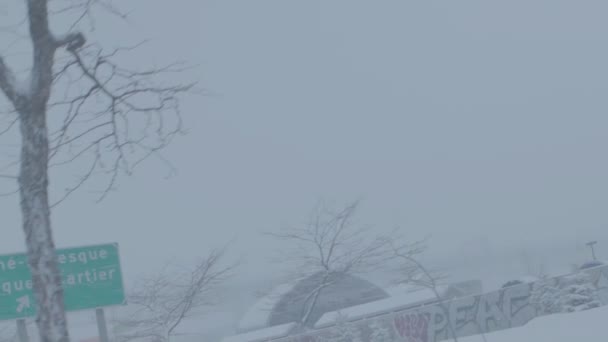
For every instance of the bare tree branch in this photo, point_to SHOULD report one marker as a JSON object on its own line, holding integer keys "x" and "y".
{"x": 81, "y": 10}
{"x": 116, "y": 117}
{"x": 162, "y": 302}
{"x": 8, "y": 83}
{"x": 125, "y": 117}
{"x": 414, "y": 272}
{"x": 331, "y": 244}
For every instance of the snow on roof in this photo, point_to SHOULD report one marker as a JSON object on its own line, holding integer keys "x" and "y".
{"x": 258, "y": 315}
{"x": 260, "y": 335}
{"x": 283, "y": 304}
{"x": 402, "y": 297}
{"x": 397, "y": 302}
{"x": 343, "y": 290}
{"x": 403, "y": 289}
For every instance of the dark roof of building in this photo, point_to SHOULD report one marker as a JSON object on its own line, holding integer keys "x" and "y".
{"x": 344, "y": 290}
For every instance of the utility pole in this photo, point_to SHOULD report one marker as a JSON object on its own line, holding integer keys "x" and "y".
{"x": 591, "y": 245}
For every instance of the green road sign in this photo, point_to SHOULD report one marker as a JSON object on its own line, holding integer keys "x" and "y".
{"x": 91, "y": 278}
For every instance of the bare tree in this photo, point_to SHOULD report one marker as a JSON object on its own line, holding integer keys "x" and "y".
{"x": 163, "y": 301}
{"x": 331, "y": 245}
{"x": 113, "y": 117}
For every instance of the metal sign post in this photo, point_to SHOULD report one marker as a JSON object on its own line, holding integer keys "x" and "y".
{"x": 22, "y": 331}
{"x": 591, "y": 244}
{"x": 101, "y": 325}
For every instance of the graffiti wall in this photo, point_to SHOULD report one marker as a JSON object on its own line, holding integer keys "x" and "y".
{"x": 506, "y": 308}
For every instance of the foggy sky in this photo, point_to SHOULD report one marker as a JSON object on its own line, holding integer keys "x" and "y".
{"x": 481, "y": 123}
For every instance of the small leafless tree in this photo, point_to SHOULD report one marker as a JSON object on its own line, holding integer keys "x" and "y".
{"x": 108, "y": 119}
{"x": 331, "y": 244}
{"x": 162, "y": 302}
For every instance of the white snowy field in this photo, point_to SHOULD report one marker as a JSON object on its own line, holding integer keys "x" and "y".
{"x": 584, "y": 326}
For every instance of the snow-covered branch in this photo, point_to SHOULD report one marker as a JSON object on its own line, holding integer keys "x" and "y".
{"x": 162, "y": 302}
{"x": 128, "y": 115}
{"x": 332, "y": 246}
{"x": 8, "y": 83}
{"x": 331, "y": 241}
{"x": 72, "y": 41}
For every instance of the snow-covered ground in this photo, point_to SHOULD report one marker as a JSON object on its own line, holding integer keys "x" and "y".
{"x": 261, "y": 335}
{"x": 583, "y": 326}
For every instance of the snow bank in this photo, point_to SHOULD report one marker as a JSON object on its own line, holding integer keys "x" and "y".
{"x": 587, "y": 326}
{"x": 277, "y": 331}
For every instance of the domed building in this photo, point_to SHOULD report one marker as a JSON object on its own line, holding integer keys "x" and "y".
{"x": 280, "y": 313}
{"x": 288, "y": 303}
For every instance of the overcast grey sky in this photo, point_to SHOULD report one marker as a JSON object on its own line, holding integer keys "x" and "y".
{"x": 482, "y": 123}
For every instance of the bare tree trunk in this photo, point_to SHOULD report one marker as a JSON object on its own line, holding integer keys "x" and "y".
{"x": 33, "y": 182}
{"x": 311, "y": 306}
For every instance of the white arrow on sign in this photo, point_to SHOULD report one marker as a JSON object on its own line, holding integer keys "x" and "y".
{"x": 23, "y": 303}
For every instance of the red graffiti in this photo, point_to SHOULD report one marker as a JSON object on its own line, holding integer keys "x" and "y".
{"x": 412, "y": 327}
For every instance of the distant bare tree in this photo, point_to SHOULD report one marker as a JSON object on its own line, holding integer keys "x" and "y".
{"x": 113, "y": 117}
{"x": 163, "y": 301}
{"x": 331, "y": 244}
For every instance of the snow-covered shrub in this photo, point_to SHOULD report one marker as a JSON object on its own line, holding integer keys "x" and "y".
{"x": 568, "y": 294}
{"x": 546, "y": 296}
{"x": 578, "y": 293}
